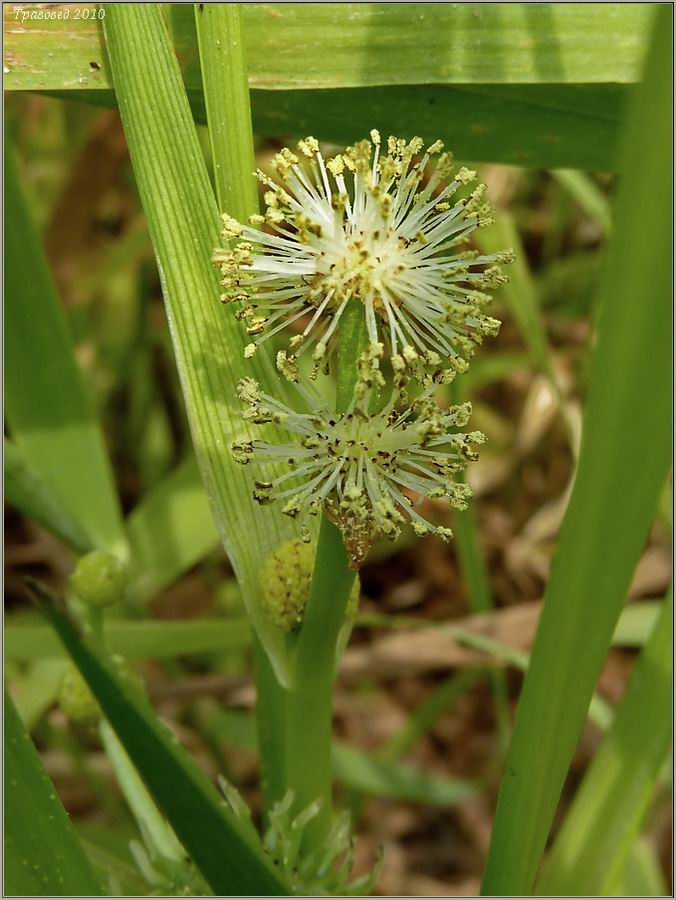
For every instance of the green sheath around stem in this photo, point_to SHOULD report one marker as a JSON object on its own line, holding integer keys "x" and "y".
{"x": 309, "y": 709}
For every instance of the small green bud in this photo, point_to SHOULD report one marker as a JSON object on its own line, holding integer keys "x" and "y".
{"x": 99, "y": 579}
{"x": 76, "y": 700}
{"x": 285, "y": 584}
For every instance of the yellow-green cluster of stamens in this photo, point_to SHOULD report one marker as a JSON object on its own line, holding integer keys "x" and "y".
{"x": 365, "y": 469}
{"x": 372, "y": 226}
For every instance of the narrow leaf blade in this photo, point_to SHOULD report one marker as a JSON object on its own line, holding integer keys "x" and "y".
{"x": 43, "y": 856}
{"x": 614, "y": 496}
{"x": 219, "y": 845}
{"x": 209, "y": 343}
{"x": 591, "y": 850}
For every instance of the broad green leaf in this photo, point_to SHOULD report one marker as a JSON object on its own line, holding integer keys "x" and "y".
{"x": 49, "y": 414}
{"x": 537, "y": 125}
{"x": 624, "y": 460}
{"x": 170, "y": 530}
{"x": 591, "y": 849}
{"x": 208, "y": 341}
{"x": 43, "y": 856}
{"x": 220, "y": 844}
{"x": 30, "y": 494}
{"x": 316, "y": 45}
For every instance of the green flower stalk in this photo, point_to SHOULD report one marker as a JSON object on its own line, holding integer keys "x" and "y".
{"x": 371, "y": 226}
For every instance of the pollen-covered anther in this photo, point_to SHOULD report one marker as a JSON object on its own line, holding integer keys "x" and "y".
{"x": 359, "y": 467}
{"x": 378, "y": 223}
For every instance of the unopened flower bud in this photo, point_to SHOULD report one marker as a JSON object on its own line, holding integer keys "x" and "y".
{"x": 99, "y": 579}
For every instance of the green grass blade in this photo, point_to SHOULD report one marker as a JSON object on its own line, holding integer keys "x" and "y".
{"x": 219, "y": 843}
{"x": 520, "y": 292}
{"x": 615, "y": 493}
{"x": 27, "y": 490}
{"x": 536, "y": 125}
{"x": 137, "y": 640}
{"x": 166, "y": 639}
{"x": 316, "y": 45}
{"x": 369, "y": 774}
{"x": 208, "y": 342}
{"x": 170, "y": 530}
{"x": 48, "y": 411}
{"x": 600, "y": 712}
{"x": 475, "y": 574}
{"x": 592, "y": 200}
{"x": 643, "y": 875}
{"x": 636, "y": 623}
{"x": 424, "y": 716}
{"x": 43, "y": 856}
{"x": 228, "y": 110}
{"x": 590, "y": 851}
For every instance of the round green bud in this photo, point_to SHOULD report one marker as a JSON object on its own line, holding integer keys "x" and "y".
{"x": 285, "y": 584}
{"x": 76, "y": 700}
{"x": 99, "y": 579}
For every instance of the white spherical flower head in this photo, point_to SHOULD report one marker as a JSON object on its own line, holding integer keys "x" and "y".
{"x": 363, "y": 469}
{"x": 370, "y": 226}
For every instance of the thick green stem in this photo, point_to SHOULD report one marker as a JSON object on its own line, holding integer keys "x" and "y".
{"x": 271, "y": 727}
{"x": 309, "y": 708}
